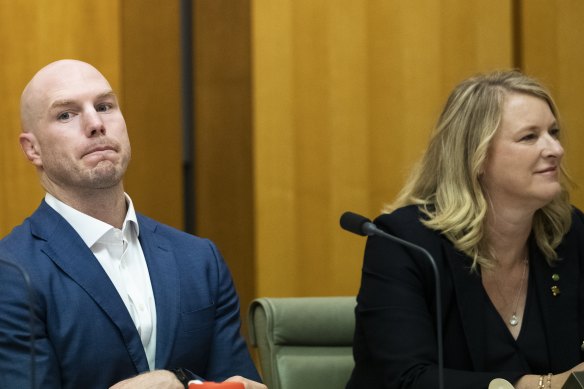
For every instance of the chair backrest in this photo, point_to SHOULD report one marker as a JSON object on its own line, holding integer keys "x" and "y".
{"x": 304, "y": 342}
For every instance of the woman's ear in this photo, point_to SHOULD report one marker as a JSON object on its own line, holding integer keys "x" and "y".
{"x": 31, "y": 148}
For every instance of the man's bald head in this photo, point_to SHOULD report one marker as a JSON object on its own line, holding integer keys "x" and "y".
{"x": 73, "y": 130}
{"x": 34, "y": 98}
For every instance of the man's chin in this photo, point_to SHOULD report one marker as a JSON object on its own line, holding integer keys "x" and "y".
{"x": 105, "y": 177}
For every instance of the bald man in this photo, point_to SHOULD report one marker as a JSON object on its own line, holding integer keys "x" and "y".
{"x": 120, "y": 300}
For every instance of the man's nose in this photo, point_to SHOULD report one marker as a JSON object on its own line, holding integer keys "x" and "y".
{"x": 93, "y": 123}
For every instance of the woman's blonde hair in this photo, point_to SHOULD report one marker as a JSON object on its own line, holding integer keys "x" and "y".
{"x": 445, "y": 184}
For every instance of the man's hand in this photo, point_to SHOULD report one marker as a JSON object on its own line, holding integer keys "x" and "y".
{"x": 248, "y": 384}
{"x": 158, "y": 379}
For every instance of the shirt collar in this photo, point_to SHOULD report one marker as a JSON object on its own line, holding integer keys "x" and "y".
{"x": 89, "y": 228}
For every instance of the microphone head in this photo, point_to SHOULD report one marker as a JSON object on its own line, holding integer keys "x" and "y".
{"x": 354, "y": 223}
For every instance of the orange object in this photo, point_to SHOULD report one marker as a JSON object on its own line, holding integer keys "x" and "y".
{"x": 215, "y": 385}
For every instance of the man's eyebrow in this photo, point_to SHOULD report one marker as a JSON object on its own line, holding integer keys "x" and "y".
{"x": 70, "y": 102}
{"x": 106, "y": 95}
{"x": 61, "y": 103}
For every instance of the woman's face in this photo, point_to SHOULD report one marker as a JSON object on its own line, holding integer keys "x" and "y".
{"x": 522, "y": 168}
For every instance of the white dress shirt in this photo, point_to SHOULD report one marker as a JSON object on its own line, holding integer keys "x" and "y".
{"x": 120, "y": 254}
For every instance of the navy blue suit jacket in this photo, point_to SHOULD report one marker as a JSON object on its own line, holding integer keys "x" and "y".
{"x": 395, "y": 335}
{"x": 85, "y": 337}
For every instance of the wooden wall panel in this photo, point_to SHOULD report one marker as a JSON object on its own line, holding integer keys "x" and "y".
{"x": 345, "y": 95}
{"x": 553, "y": 50}
{"x": 32, "y": 34}
{"x": 275, "y": 231}
{"x": 304, "y": 109}
{"x": 223, "y": 148}
{"x": 150, "y": 66}
{"x": 135, "y": 45}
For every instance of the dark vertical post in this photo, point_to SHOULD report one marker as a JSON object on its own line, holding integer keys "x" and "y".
{"x": 187, "y": 105}
{"x": 517, "y": 31}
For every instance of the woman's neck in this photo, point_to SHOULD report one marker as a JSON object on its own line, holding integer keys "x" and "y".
{"x": 507, "y": 235}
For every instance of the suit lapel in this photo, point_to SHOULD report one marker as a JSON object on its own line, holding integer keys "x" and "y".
{"x": 68, "y": 251}
{"x": 471, "y": 303}
{"x": 560, "y": 312}
{"x": 164, "y": 277}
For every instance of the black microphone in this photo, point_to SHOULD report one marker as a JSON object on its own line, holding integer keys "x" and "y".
{"x": 30, "y": 304}
{"x": 360, "y": 225}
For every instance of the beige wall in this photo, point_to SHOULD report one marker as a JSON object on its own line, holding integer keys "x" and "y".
{"x": 305, "y": 108}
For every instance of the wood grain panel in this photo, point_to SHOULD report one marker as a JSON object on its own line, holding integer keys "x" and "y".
{"x": 274, "y": 154}
{"x": 345, "y": 95}
{"x": 150, "y": 66}
{"x": 312, "y": 96}
{"x": 304, "y": 109}
{"x": 32, "y": 34}
{"x": 223, "y": 148}
{"x": 553, "y": 50}
{"x": 348, "y": 173}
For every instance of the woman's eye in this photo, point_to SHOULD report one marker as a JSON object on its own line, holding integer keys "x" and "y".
{"x": 528, "y": 137}
{"x": 555, "y": 132}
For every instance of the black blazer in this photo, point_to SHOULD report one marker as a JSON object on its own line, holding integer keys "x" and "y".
{"x": 395, "y": 337}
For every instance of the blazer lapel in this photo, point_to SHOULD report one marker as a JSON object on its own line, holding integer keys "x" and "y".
{"x": 470, "y": 299}
{"x": 560, "y": 311}
{"x": 164, "y": 277}
{"x": 68, "y": 251}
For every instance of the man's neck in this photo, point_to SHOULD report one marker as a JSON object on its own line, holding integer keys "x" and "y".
{"x": 108, "y": 205}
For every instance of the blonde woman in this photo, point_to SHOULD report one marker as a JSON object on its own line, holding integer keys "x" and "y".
{"x": 489, "y": 202}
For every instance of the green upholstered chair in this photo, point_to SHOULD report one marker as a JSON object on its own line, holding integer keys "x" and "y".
{"x": 303, "y": 342}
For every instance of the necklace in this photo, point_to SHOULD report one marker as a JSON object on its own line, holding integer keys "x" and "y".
{"x": 514, "y": 320}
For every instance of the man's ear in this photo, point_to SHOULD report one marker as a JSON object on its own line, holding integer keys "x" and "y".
{"x": 31, "y": 148}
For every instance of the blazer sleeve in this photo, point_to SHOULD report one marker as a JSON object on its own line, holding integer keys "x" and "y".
{"x": 229, "y": 354}
{"x": 395, "y": 342}
{"x": 22, "y": 331}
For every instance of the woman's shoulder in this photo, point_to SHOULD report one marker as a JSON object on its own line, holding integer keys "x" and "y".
{"x": 577, "y": 212}
{"x": 405, "y": 221}
{"x": 577, "y": 218}
{"x": 407, "y": 214}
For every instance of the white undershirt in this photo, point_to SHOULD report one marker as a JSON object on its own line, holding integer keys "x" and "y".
{"x": 121, "y": 256}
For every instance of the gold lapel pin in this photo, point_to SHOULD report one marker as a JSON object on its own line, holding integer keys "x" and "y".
{"x": 555, "y": 290}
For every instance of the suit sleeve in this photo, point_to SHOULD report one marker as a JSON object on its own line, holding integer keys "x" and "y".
{"x": 17, "y": 363}
{"x": 229, "y": 355}
{"x": 395, "y": 340}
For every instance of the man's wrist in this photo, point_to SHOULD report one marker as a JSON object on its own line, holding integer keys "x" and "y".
{"x": 182, "y": 376}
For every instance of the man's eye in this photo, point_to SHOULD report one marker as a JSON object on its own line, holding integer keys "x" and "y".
{"x": 64, "y": 116}
{"x": 103, "y": 107}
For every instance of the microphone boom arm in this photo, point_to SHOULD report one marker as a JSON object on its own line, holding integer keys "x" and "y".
{"x": 360, "y": 225}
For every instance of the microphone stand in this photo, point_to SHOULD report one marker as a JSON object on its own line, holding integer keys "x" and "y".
{"x": 360, "y": 225}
